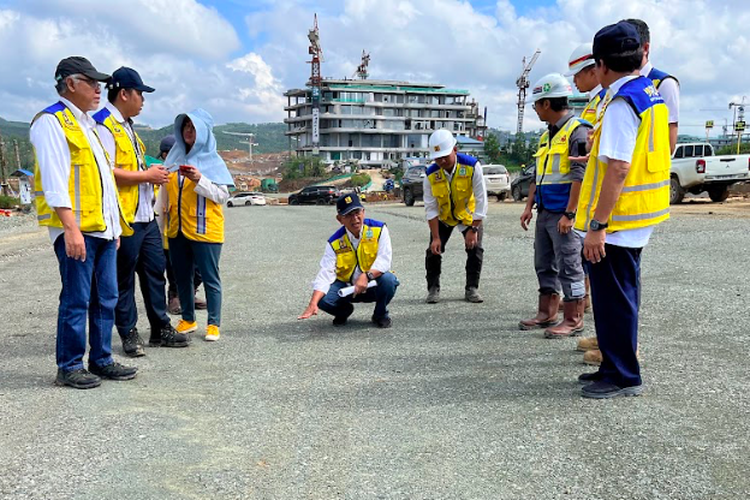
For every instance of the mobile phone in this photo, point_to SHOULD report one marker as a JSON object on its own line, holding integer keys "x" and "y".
{"x": 184, "y": 168}
{"x": 582, "y": 149}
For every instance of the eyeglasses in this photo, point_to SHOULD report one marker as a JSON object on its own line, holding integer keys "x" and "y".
{"x": 91, "y": 83}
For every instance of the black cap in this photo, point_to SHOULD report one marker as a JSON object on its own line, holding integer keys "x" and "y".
{"x": 348, "y": 202}
{"x": 166, "y": 144}
{"x": 616, "y": 39}
{"x": 127, "y": 78}
{"x": 77, "y": 65}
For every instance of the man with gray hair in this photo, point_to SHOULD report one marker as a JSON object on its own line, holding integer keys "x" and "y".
{"x": 77, "y": 200}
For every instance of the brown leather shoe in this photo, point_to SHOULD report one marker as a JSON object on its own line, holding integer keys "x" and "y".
{"x": 174, "y": 306}
{"x": 572, "y": 323}
{"x": 587, "y": 344}
{"x": 593, "y": 357}
{"x": 546, "y": 315}
{"x": 200, "y": 304}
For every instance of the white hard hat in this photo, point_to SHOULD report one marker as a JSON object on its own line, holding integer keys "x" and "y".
{"x": 582, "y": 57}
{"x": 550, "y": 86}
{"x": 441, "y": 143}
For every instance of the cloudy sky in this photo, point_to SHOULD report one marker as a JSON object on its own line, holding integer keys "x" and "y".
{"x": 236, "y": 57}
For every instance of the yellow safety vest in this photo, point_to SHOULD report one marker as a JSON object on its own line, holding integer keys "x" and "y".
{"x": 347, "y": 259}
{"x": 589, "y": 112}
{"x": 84, "y": 184}
{"x": 193, "y": 215}
{"x": 456, "y": 201}
{"x": 553, "y": 182}
{"x": 644, "y": 200}
{"x": 126, "y": 158}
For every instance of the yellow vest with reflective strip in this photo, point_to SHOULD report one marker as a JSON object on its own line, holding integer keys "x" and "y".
{"x": 456, "y": 201}
{"x": 193, "y": 215}
{"x": 347, "y": 259}
{"x": 644, "y": 200}
{"x": 84, "y": 184}
{"x": 126, "y": 158}
{"x": 556, "y": 169}
{"x": 589, "y": 112}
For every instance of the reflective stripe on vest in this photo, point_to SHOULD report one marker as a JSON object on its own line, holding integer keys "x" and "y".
{"x": 456, "y": 201}
{"x": 196, "y": 217}
{"x": 644, "y": 199}
{"x": 553, "y": 181}
{"x": 85, "y": 183}
{"x": 347, "y": 259}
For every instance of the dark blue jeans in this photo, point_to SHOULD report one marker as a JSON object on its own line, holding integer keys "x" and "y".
{"x": 616, "y": 297}
{"x": 89, "y": 288}
{"x": 186, "y": 255}
{"x": 341, "y": 307}
{"x": 141, "y": 253}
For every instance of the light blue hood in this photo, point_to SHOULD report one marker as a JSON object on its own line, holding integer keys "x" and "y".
{"x": 203, "y": 154}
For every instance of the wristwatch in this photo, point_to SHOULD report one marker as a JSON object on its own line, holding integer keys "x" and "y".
{"x": 570, "y": 215}
{"x": 369, "y": 275}
{"x": 597, "y": 226}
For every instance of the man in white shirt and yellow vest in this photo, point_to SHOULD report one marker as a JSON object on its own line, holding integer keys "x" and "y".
{"x": 142, "y": 251}
{"x": 455, "y": 196}
{"x": 625, "y": 194}
{"x": 555, "y": 191}
{"x": 77, "y": 200}
{"x": 357, "y": 255}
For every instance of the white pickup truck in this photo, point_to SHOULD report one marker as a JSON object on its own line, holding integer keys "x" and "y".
{"x": 695, "y": 169}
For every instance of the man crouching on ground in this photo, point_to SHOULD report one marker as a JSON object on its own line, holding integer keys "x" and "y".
{"x": 357, "y": 254}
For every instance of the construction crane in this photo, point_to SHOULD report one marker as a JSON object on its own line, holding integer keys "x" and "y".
{"x": 523, "y": 83}
{"x": 250, "y": 141}
{"x": 362, "y": 68}
{"x": 315, "y": 83}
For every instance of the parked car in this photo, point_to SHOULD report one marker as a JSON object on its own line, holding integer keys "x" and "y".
{"x": 246, "y": 199}
{"x": 315, "y": 195}
{"x": 519, "y": 188}
{"x": 695, "y": 169}
{"x": 411, "y": 184}
{"x": 497, "y": 180}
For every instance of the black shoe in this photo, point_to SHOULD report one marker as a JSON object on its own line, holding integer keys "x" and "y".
{"x": 169, "y": 337}
{"x": 78, "y": 379}
{"x": 114, "y": 371}
{"x": 605, "y": 390}
{"x": 339, "y": 321}
{"x": 132, "y": 344}
{"x": 384, "y": 322}
{"x": 587, "y": 378}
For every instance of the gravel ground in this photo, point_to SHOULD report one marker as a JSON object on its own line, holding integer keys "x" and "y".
{"x": 453, "y": 402}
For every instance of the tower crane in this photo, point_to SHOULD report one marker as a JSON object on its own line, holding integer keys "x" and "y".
{"x": 523, "y": 83}
{"x": 362, "y": 68}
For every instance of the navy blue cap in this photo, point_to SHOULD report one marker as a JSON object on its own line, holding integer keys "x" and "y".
{"x": 348, "y": 202}
{"x": 616, "y": 39}
{"x": 127, "y": 78}
{"x": 166, "y": 144}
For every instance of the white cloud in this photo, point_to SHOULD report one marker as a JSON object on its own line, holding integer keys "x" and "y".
{"x": 193, "y": 56}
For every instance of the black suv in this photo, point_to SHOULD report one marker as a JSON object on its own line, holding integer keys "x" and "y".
{"x": 519, "y": 188}
{"x": 315, "y": 195}
{"x": 411, "y": 184}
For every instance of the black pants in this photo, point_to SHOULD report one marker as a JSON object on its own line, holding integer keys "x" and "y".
{"x": 474, "y": 258}
{"x": 141, "y": 254}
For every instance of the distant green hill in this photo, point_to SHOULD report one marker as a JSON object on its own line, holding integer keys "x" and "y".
{"x": 269, "y": 137}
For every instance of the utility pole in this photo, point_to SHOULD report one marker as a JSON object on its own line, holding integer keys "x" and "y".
{"x": 3, "y": 181}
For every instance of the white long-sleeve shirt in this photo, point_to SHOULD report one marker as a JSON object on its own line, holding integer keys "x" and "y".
{"x": 145, "y": 210}
{"x": 327, "y": 273}
{"x": 53, "y": 155}
{"x": 479, "y": 188}
{"x": 206, "y": 188}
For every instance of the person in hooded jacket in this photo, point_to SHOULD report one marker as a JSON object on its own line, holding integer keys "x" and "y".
{"x": 193, "y": 200}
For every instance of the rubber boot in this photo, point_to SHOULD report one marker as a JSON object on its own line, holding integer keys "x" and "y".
{"x": 546, "y": 315}
{"x": 572, "y": 323}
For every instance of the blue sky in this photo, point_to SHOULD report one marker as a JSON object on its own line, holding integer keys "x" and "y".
{"x": 236, "y": 58}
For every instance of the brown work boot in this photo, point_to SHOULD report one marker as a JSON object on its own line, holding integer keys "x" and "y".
{"x": 546, "y": 315}
{"x": 593, "y": 357}
{"x": 200, "y": 304}
{"x": 174, "y": 306}
{"x": 572, "y": 323}
{"x": 587, "y": 344}
{"x": 587, "y": 297}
